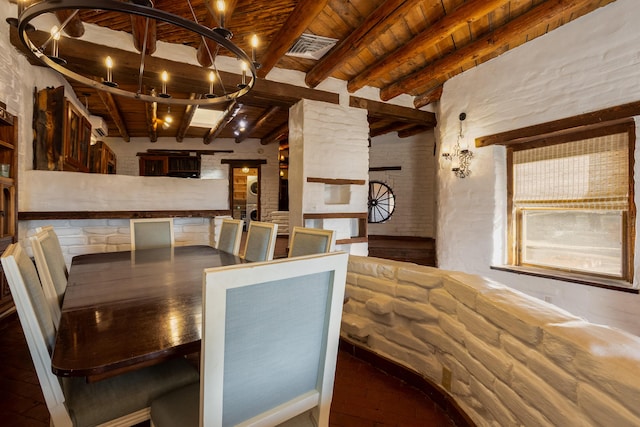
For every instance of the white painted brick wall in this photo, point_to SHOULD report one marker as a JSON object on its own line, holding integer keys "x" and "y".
{"x": 210, "y": 165}
{"x": 327, "y": 141}
{"x": 515, "y": 360}
{"x": 414, "y": 186}
{"x": 588, "y": 64}
{"x": 78, "y": 237}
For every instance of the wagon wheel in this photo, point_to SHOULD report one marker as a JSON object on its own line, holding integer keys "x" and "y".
{"x": 382, "y": 202}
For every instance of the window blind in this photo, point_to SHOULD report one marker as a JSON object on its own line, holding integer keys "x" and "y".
{"x": 586, "y": 174}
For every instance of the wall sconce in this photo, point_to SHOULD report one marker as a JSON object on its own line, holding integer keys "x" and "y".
{"x": 460, "y": 157}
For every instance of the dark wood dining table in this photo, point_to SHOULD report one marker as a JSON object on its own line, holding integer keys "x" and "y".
{"x": 126, "y": 310}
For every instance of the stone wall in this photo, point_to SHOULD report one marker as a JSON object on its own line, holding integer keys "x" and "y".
{"x": 508, "y": 359}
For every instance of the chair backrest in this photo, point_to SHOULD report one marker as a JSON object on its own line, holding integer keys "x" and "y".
{"x": 270, "y": 340}
{"x": 38, "y": 326}
{"x": 308, "y": 241}
{"x": 230, "y": 236}
{"x": 52, "y": 269}
{"x": 261, "y": 241}
{"x": 151, "y": 233}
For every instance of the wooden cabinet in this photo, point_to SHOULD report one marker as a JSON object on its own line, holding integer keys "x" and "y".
{"x": 102, "y": 159}
{"x": 8, "y": 199}
{"x": 62, "y": 133}
{"x": 77, "y": 138}
{"x": 153, "y": 165}
{"x": 176, "y": 165}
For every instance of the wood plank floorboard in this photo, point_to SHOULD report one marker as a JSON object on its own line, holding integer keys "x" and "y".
{"x": 364, "y": 396}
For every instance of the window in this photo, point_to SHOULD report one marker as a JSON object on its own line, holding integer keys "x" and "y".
{"x": 571, "y": 209}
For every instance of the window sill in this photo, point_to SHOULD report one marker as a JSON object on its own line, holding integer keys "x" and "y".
{"x": 612, "y": 284}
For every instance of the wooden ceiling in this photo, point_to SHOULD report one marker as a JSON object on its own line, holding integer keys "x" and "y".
{"x": 399, "y": 46}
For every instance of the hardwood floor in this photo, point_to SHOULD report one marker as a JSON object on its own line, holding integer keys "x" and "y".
{"x": 364, "y": 396}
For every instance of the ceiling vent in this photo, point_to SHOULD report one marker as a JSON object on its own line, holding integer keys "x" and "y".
{"x": 311, "y": 46}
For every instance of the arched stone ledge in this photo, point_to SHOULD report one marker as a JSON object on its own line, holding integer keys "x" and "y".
{"x": 503, "y": 357}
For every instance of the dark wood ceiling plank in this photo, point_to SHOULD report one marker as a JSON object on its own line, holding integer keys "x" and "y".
{"x": 229, "y": 114}
{"x": 189, "y": 111}
{"x": 261, "y": 122}
{"x": 393, "y": 127}
{"x": 369, "y": 30}
{"x": 279, "y": 134}
{"x": 298, "y": 21}
{"x": 375, "y": 108}
{"x": 114, "y": 113}
{"x": 406, "y": 133}
{"x": 461, "y": 17}
{"x": 544, "y": 12}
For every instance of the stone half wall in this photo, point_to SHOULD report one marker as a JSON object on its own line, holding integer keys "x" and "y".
{"x": 506, "y": 358}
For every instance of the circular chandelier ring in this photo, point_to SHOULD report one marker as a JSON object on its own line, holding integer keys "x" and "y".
{"x": 47, "y": 6}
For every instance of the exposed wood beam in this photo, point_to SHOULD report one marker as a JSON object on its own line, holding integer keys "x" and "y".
{"x": 185, "y": 77}
{"x": 298, "y": 21}
{"x": 189, "y": 111}
{"x": 611, "y": 114}
{"x": 394, "y": 111}
{"x": 428, "y": 97}
{"x": 544, "y": 13}
{"x": 75, "y": 27}
{"x": 262, "y": 120}
{"x": 393, "y": 127}
{"x": 278, "y": 134}
{"x": 114, "y": 113}
{"x": 229, "y": 114}
{"x": 141, "y": 26}
{"x": 151, "y": 111}
{"x": 463, "y": 16}
{"x": 207, "y": 51}
{"x": 375, "y": 24}
{"x": 412, "y": 131}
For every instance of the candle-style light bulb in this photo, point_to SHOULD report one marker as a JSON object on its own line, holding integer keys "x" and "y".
{"x": 244, "y": 73}
{"x": 220, "y": 7}
{"x": 109, "y": 63}
{"x": 212, "y": 79}
{"x": 165, "y": 78}
{"x": 254, "y": 45}
{"x": 55, "y": 36}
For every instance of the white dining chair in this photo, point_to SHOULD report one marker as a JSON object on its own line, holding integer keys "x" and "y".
{"x": 230, "y": 236}
{"x": 307, "y": 241}
{"x": 269, "y": 346}
{"x": 117, "y": 401}
{"x": 52, "y": 269}
{"x": 151, "y": 233}
{"x": 261, "y": 241}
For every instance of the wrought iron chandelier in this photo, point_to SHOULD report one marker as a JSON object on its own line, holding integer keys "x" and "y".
{"x": 48, "y": 53}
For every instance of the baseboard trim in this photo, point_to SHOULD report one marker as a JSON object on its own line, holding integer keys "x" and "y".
{"x": 436, "y": 393}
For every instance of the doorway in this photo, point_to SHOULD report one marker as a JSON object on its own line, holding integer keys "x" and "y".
{"x": 245, "y": 191}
